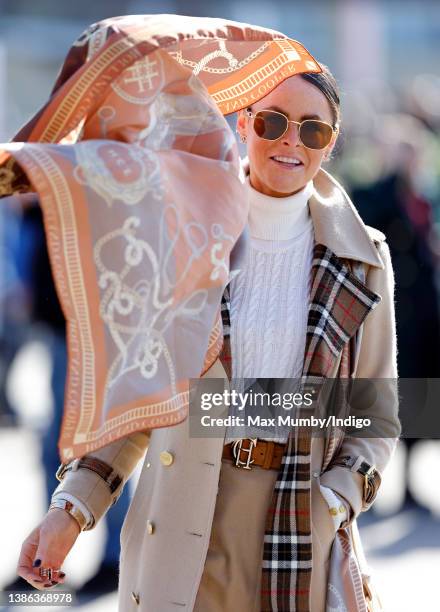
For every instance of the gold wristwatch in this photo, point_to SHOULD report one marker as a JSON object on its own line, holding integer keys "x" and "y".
{"x": 372, "y": 478}
{"x": 73, "y": 510}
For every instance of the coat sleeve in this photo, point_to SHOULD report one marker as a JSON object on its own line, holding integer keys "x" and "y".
{"x": 90, "y": 489}
{"x": 123, "y": 455}
{"x": 377, "y": 360}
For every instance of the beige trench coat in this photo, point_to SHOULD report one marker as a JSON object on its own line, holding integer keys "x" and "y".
{"x": 165, "y": 536}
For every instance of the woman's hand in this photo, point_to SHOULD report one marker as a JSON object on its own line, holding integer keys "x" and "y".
{"x": 46, "y": 547}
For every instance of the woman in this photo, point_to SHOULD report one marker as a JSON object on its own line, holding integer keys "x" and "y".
{"x": 202, "y": 533}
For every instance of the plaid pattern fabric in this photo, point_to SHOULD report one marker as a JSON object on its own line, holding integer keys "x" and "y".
{"x": 225, "y": 355}
{"x": 339, "y": 303}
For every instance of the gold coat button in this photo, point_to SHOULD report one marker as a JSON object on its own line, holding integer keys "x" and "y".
{"x": 150, "y": 527}
{"x": 341, "y": 508}
{"x": 135, "y": 597}
{"x": 166, "y": 458}
{"x": 333, "y": 511}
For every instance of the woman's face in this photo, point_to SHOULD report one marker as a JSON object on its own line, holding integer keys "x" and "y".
{"x": 299, "y": 100}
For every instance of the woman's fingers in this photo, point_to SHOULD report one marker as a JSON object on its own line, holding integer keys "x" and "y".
{"x": 42, "y": 581}
{"x": 46, "y": 548}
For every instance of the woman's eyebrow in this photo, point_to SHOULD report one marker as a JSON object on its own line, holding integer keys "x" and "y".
{"x": 280, "y": 110}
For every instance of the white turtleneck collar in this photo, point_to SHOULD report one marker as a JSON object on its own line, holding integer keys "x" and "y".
{"x": 276, "y": 219}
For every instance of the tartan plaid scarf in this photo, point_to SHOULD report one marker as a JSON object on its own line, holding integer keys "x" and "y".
{"x": 339, "y": 303}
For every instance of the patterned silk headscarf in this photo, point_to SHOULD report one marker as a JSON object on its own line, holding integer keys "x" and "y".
{"x": 137, "y": 173}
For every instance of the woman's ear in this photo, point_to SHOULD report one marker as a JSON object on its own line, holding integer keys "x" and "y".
{"x": 330, "y": 147}
{"x": 327, "y": 154}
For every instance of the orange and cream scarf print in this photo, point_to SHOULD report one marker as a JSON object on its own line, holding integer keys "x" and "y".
{"x": 137, "y": 173}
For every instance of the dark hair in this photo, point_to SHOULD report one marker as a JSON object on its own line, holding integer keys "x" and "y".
{"x": 327, "y": 84}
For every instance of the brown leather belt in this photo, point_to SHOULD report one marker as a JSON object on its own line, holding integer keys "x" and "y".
{"x": 248, "y": 452}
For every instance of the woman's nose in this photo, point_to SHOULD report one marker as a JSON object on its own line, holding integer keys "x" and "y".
{"x": 291, "y": 137}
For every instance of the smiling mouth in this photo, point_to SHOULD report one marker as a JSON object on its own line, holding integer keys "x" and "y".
{"x": 287, "y": 162}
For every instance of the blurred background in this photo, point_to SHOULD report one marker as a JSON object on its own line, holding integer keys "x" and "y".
{"x": 385, "y": 55}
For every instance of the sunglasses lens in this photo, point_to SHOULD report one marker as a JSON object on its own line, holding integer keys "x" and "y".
{"x": 315, "y": 134}
{"x": 270, "y": 125}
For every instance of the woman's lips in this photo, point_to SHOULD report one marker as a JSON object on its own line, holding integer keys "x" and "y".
{"x": 288, "y": 166}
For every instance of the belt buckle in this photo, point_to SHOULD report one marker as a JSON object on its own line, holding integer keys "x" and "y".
{"x": 237, "y": 447}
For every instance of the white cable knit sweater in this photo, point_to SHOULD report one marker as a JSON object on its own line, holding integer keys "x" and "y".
{"x": 270, "y": 296}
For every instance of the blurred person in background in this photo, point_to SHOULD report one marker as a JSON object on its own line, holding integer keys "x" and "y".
{"x": 46, "y": 313}
{"x": 15, "y": 266}
{"x": 395, "y": 204}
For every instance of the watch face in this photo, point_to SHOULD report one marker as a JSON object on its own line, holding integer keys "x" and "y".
{"x": 364, "y": 468}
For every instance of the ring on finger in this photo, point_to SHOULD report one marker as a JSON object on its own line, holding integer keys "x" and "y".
{"x": 46, "y": 572}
